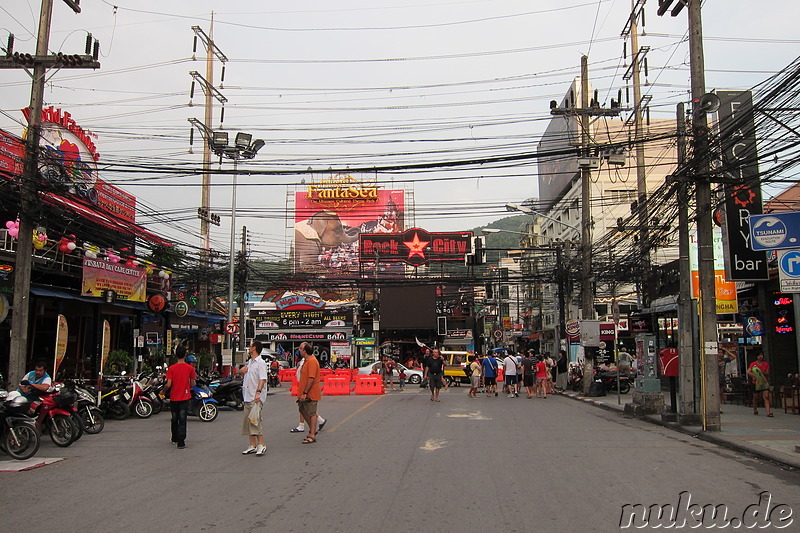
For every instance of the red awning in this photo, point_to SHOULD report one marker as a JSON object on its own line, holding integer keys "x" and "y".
{"x": 120, "y": 226}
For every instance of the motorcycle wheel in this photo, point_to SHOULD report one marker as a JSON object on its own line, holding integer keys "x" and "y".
{"x": 143, "y": 408}
{"x": 61, "y": 430}
{"x": 624, "y": 387}
{"x": 77, "y": 422}
{"x": 21, "y": 441}
{"x": 93, "y": 421}
{"x": 208, "y": 412}
{"x": 239, "y": 405}
{"x": 119, "y": 411}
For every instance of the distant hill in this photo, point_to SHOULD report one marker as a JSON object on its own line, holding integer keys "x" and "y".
{"x": 503, "y": 241}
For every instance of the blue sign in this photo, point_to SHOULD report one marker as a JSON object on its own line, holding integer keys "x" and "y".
{"x": 775, "y": 231}
{"x": 790, "y": 263}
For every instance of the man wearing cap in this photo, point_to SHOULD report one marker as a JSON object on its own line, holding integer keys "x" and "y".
{"x": 180, "y": 379}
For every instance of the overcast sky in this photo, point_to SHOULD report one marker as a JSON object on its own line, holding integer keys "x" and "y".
{"x": 362, "y": 84}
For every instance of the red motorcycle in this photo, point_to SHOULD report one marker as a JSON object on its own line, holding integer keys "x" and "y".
{"x": 53, "y": 416}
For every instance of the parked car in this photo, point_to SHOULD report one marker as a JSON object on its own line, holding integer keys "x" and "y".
{"x": 413, "y": 376}
{"x": 269, "y": 356}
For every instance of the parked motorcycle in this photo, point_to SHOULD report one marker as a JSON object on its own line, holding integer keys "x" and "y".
{"x": 609, "y": 380}
{"x": 228, "y": 392}
{"x": 140, "y": 403}
{"x": 52, "y": 417}
{"x": 203, "y": 404}
{"x": 575, "y": 378}
{"x": 114, "y": 401}
{"x": 18, "y": 435}
{"x": 152, "y": 385}
{"x": 89, "y": 413}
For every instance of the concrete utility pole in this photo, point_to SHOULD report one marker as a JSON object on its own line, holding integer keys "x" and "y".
{"x": 641, "y": 175}
{"x": 29, "y": 199}
{"x": 708, "y": 304}
{"x": 687, "y": 400}
{"x": 587, "y": 299}
{"x": 243, "y": 291}
{"x": 205, "y": 194}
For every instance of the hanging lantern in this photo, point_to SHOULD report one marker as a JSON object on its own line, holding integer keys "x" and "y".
{"x": 67, "y": 244}
{"x": 39, "y": 238}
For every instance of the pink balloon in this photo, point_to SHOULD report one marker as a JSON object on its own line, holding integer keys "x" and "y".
{"x": 10, "y": 224}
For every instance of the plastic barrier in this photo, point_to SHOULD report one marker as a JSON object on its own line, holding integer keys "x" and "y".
{"x": 369, "y": 385}
{"x": 343, "y": 373}
{"x": 287, "y": 374}
{"x": 336, "y": 386}
{"x": 295, "y": 383}
{"x": 500, "y": 375}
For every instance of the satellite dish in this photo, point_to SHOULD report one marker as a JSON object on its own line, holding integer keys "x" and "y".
{"x": 708, "y": 103}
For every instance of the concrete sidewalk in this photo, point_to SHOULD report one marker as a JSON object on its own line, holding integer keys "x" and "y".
{"x": 775, "y": 439}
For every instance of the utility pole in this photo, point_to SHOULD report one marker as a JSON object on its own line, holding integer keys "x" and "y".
{"x": 29, "y": 199}
{"x": 637, "y": 56}
{"x": 243, "y": 290}
{"x": 587, "y": 299}
{"x": 687, "y": 406}
{"x": 211, "y": 94}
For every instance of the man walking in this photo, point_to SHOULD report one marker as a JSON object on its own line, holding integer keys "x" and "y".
{"x": 180, "y": 379}
{"x": 434, "y": 373}
{"x": 510, "y": 371}
{"x": 308, "y": 391}
{"x": 254, "y": 380}
{"x": 489, "y": 364}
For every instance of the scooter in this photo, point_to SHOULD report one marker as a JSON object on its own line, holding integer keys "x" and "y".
{"x": 140, "y": 403}
{"x": 274, "y": 377}
{"x": 202, "y": 404}
{"x": 18, "y": 435}
{"x": 228, "y": 392}
{"x": 89, "y": 413}
{"x": 609, "y": 380}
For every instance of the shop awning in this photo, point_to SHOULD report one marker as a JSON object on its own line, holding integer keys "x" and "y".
{"x": 62, "y": 295}
{"x": 105, "y": 220}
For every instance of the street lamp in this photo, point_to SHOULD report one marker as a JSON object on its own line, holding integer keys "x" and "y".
{"x": 529, "y": 211}
{"x": 243, "y": 148}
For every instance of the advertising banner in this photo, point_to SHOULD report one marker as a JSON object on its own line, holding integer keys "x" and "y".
{"x": 115, "y": 201}
{"x": 62, "y": 334}
{"x": 725, "y": 290}
{"x": 12, "y": 156}
{"x": 415, "y": 246}
{"x": 331, "y": 214}
{"x": 106, "y": 346}
{"x": 309, "y": 336}
{"x": 307, "y": 318}
{"x": 6, "y": 276}
{"x": 130, "y": 283}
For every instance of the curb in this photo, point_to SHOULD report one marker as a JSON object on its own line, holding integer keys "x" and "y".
{"x": 759, "y": 452}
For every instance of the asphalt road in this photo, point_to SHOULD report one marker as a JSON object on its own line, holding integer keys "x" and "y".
{"x": 397, "y": 462}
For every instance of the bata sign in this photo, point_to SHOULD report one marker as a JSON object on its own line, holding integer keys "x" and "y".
{"x": 415, "y": 246}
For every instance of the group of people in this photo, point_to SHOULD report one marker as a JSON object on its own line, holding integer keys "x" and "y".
{"x": 538, "y": 374}
{"x": 181, "y": 377}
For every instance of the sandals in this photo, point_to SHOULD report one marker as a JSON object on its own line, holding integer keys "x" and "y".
{"x": 309, "y": 440}
{"x": 755, "y": 412}
{"x": 770, "y": 415}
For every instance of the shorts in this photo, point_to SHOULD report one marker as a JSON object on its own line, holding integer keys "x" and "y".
{"x": 307, "y": 408}
{"x": 528, "y": 380}
{"x": 247, "y": 427}
{"x": 511, "y": 379}
{"x": 475, "y": 381}
{"x": 435, "y": 381}
{"x": 489, "y": 380}
{"x": 541, "y": 380}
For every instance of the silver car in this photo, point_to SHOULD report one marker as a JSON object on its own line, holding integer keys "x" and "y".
{"x": 413, "y": 376}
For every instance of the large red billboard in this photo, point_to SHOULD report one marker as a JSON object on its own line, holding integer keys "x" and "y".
{"x": 330, "y": 215}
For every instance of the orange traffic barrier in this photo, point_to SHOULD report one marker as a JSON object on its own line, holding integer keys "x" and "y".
{"x": 287, "y": 374}
{"x": 369, "y": 385}
{"x": 295, "y": 383}
{"x": 500, "y": 374}
{"x": 343, "y": 373}
{"x": 336, "y": 386}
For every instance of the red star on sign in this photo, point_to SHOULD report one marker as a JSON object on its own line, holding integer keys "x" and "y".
{"x": 416, "y": 246}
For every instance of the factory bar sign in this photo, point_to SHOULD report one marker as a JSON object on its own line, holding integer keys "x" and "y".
{"x": 415, "y": 246}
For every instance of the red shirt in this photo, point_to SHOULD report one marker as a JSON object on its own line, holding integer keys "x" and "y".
{"x": 181, "y": 375}
{"x": 763, "y": 366}
{"x": 541, "y": 369}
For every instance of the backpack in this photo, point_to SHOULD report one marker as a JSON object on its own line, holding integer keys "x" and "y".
{"x": 468, "y": 370}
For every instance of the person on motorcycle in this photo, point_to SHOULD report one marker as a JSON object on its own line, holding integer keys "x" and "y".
{"x": 38, "y": 382}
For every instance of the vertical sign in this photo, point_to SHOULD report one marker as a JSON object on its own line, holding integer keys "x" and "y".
{"x": 61, "y": 341}
{"x": 737, "y": 133}
{"x": 726, "y": 296}
{"x": 106, "y": 344}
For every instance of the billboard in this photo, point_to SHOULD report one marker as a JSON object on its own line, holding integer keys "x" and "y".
{"x": 415, "y": 246}
{"x": 556, "y": 172}
{"x": 12, "y": 155}
{"x": 99, "y": 275}
{"x": 331, "y": 214}
{"x": 304, "y": 318}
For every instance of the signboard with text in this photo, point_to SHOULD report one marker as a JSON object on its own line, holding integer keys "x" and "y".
{"x": 306, "y": 318}
{"x": 415, "y": 246}
{"x": 99, "y": 275}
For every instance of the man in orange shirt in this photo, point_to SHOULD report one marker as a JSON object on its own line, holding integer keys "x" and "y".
{"x": 308, "y": 391}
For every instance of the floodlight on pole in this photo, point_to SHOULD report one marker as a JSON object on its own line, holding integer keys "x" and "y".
{"x": 529, "y": 211}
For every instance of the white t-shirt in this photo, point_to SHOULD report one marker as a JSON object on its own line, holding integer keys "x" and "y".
{"x": 256, "y": 371}
{"x": 510, "y": 365}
